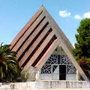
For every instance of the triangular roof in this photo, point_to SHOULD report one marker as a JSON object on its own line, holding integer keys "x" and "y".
{"x": 38, "y": 39}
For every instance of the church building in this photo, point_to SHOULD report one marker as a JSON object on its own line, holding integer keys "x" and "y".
{"x": 43, "y": 46}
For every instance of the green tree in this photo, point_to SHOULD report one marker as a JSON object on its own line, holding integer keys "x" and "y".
{"x": 82, "y": 46}
{"x": 9, "y": 68}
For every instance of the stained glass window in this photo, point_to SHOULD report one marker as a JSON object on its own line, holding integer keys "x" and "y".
{"x": 64, "y": 59}
{"x": 58, "y": 60}
{"x": 46, "y": 69}
{"x": 52, "y": 60}
{"x": 71, "y": 69}
{"x": 54, "y": 68}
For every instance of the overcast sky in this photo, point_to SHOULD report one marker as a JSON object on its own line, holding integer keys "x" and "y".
{"x": 14, "y": 14}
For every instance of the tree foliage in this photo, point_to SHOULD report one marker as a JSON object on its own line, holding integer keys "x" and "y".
{"x": 9, "y": 68}
{"x": 82, "y": 46}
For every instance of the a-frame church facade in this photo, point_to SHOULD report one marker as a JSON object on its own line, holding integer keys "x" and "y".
{"x": 41, "y": 44}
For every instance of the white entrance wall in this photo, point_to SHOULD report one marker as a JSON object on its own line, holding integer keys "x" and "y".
{"x": 55, "y": 77}
{"x": 47, "y": 73}
{"x": 47, "y": 85}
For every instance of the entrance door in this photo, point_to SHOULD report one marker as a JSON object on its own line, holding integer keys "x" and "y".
{"x": 62, "y": 72}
